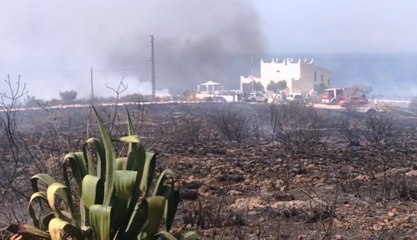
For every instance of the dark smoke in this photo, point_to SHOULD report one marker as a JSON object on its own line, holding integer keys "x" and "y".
{"x": 209, "y": 41}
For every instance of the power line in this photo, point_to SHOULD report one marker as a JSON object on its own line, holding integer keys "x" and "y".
{"x": 64, "y": 70}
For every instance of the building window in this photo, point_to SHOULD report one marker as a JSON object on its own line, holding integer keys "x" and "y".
{"x": 315, "y": 76}
{"x": 321, "y": 78}
{"x": 328, "y": 82}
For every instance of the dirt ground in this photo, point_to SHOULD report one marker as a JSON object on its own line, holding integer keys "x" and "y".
{"x": 258, "y": 186}
{"x": 258, "y": 190}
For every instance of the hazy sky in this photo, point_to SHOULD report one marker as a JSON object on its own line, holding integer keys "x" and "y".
{"x": 340, "y": 26}
{"x": 53, "y": 43}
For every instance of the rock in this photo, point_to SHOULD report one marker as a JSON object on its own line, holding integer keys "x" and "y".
{"x": 251, "y": 213}
{"x": 283, "y": 196}
{"x": 250, "y": 203}
{"x": 234, "y": 192}
{"x": 187, "y": 194}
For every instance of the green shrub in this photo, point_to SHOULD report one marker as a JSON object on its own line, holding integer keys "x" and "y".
{"x": 114, "y": 195}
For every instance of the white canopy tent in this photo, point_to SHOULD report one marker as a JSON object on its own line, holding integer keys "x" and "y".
{"x": 209, "y": 87}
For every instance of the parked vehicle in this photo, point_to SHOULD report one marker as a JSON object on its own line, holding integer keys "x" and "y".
{"x": 256, "y": 97}
{"x": 335, "y": 95}
{"x": 353, "y": 101}
{"x": 295, "y": 97}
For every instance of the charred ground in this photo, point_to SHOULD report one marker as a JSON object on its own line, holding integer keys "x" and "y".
{"x": 248, "y": 171}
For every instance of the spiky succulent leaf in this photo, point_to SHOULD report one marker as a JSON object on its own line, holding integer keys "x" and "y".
{"x": 164, "y": 235}
{"x": 148, "y": 172}
{"x": 43, "y": 178}
{"x": 138, "y": 220}
{"x": 41, "y": 199}
{"x": 27, "y": 231}
{"x": 100, "y": 219}
{"x": 99, "y": 152}
{"x": 130, "y": 139}
{"x": 130, "y": 128}
{"x": 171, "y": 207}
{"x": 78, "y": 165}
{"x": 92, "y": 190}
{"x": 110, "y": 160}
{"x": 125, "y": 185}
{"x": 60, "y": 230}
{"x": 167, "y": 173}
{"x": 156, "y": 208}
{"x": 191, "y": 236}
{"x": 54, "y": 190}
{"x": 136, "y": 153}
{"x": 121, "y": 163}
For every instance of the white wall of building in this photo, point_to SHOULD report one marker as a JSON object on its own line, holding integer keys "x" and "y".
{"x": 301, "y": 76}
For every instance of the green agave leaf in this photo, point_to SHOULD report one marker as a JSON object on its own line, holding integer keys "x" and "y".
{"x": 136, "y": 157}
{"x": 136, "y": 152}
{"x": 41, "y": 177}
{"x": 160, "y": 183}
{"x": 128, "y": 163}
{"x": 27, "y": 231}
{"x": 78, "y": 165}
{"x": 60, "y": 230}
{"x": 54, "y": 190}
{"x": 130, "y": 139}
{"x": 132, "y": 191}
{"x": 156, "y": 208}
{"x": 138, "y": 220}
{"x": 130, "y": 129}
{"x": 60, "y": 190}
{"x": 101, "y": 156}
{"x": 124, "y": 186}
{"x": 121, "y": 163}
{"x": 39, "y": 197}
{"x": 100, "y": 219}
{"x": 171, "y": 207}
{"x": 164, "y": 235}
{"x": 92, "y": 190}
{"x": 148, "y": 172}
{"x": 110, "y": 160}
{"x": 191, "y": 236}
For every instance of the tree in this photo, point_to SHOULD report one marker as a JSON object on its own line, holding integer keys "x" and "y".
{"x": 277, "y": 86}
{"x": 365, "y": 88}
{"x": 257, "y": 86}
{"x": 32, "y": 101}
{"x": 319, "y": 88}
{"x": 68, "y": 96}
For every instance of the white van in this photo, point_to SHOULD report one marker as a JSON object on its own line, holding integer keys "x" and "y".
{"x": 295, "y": 97}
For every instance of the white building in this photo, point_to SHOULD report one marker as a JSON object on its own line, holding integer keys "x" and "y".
{"x": 301, "y": 76}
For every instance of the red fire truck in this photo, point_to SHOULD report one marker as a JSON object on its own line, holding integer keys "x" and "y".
{"x": 334, "y": 95}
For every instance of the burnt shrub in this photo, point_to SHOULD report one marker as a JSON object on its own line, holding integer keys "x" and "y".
{"x": 209, "y": 214}
{"x": 350, "y": 127}
{"x": 232, "y": 123}
{"x": 296, "y": 127}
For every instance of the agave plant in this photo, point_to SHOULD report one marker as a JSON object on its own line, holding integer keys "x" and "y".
{"x": 114, "y": 197}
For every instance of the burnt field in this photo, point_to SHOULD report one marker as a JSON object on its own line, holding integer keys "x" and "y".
{"x": 245, "y": 171}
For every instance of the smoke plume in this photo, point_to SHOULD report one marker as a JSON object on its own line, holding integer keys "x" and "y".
{"x": 203, "y": 42}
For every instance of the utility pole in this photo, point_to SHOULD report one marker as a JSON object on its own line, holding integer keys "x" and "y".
{"x": 251, "y": 62}
{"x": 92, "y": 86}
{"x": 153, "y": 65}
